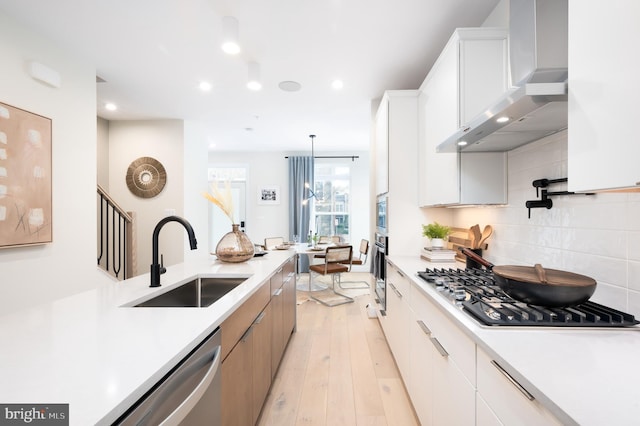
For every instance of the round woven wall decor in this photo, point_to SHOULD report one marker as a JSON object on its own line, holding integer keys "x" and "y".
{"x": 146, "y": 177}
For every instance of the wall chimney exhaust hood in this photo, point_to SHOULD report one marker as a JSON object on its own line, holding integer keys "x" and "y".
{"x": 536, "y": 104}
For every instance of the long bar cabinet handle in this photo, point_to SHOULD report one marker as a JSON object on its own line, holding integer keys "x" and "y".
{"x": 395, "y": 290}
{"x": 439, "y": 347}
{"x": 424, "y": 327}
{"x": 513, "y": 381}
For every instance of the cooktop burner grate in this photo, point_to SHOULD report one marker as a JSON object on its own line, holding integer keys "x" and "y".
{"x": 475, "y": 291}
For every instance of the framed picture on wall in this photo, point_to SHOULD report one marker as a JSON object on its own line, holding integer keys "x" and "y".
{"x": 25, "y": 178}
{"x": 269, "y": 195}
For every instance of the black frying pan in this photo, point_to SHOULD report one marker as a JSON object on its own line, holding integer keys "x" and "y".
{"x": 537, "y": 285}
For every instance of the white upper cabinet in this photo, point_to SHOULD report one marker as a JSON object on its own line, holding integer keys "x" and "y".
{"x": 470, "y": 73}
{"x": 603, "y": 91}
{"x": 382, "y": 147}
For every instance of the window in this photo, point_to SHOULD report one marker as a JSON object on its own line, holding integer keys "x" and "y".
{"x": 331, "y": 208}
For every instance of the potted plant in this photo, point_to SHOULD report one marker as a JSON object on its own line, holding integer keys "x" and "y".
{"x": 436, "y": 233}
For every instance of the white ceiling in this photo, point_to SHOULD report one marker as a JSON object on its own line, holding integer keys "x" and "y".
{"x": 154, "y": 53}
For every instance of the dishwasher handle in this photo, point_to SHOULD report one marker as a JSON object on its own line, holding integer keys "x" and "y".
{"x": 174, "y": 397}
{"x": 194, "y": 397}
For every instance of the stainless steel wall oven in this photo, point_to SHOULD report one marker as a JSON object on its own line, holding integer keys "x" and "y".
{"x": 379, "y": 265}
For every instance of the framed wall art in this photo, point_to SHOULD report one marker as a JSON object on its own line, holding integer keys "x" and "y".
{"x": 25, "y": 178}
{"x": 269, "y": 195}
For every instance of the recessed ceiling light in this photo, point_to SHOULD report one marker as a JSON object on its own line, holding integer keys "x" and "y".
{"x": 205, "y": 86}
{"x": 502, "y": 119}
{"x": 110, "y": 106}
{"x": 289, "y": 86}
{"x": 337, "y": 84}
{"x": 462, "y": 143}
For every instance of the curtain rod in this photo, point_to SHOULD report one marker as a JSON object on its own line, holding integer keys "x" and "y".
{"x": 353, "y": 157}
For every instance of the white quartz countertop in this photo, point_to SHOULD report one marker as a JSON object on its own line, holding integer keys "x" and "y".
{"x": 586, "y": 377}
{"x": 90, "y": 351}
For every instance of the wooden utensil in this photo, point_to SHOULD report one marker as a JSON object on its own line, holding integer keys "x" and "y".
{"x": 486, "y": 233}
{"x": 476, "y": 236}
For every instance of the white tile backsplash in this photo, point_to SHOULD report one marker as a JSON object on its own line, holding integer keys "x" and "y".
{"x": 595, "y": 235}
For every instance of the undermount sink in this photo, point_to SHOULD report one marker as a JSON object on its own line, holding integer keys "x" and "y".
{"x": 198, "y": 293}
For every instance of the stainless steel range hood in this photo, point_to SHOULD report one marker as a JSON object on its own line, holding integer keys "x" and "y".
{"x": 536, "y": 104}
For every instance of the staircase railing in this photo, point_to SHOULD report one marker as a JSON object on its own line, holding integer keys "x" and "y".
{"x": 116, "y": 237}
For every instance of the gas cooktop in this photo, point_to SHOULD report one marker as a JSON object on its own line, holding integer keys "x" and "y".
{"x": 477, "y": 294}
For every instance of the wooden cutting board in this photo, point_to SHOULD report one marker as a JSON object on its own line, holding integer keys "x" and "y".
{"x": 459, "y": 237}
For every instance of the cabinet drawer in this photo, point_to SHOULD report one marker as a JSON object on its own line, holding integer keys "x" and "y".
{"x": 397, "y": 282}
{"x": 241, "y": 319}
{"x": 507, "y": 398}
{"x": 457, "y": 345}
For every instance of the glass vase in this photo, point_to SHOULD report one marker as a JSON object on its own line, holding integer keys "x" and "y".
{"x": 235, "y": 246}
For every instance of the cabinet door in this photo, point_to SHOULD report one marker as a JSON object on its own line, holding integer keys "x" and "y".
{"x": 453, "y": 396}
{"x": 382, "y": 147}
{"x": 484, "y": 414}
{"x": 398, "y": 315}
{"x": 289, "y": 302}
{"x": 261, "y": 348}
{"x": 237, "y": 384}
{"x": 277, "y": 336}
{"x": 440, "y": 115}
{"x": 420, "y": 384}
{"x": 508, "y": 399}
{"x": 603, "y": 86}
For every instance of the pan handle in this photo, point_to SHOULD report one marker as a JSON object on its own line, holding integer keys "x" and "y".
{"x": 481, "y": 260}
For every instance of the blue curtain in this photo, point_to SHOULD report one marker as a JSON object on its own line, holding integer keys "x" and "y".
{"x": 300, "y": 172}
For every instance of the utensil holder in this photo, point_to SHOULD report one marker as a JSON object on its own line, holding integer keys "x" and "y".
{"x": 472, "y": 264}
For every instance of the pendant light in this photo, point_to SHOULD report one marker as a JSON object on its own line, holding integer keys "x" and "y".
{"x": 230, "y": 40}
{"x": 308, "y": 186}
{"x": 253, "y": 82}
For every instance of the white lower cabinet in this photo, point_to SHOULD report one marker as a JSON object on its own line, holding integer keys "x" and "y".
{"x": 450, "y": 380}
{"x": 396, "y": 323}
{"x": 509, "y": 402}
{"x": 442, "y": 367}
{"x": 484, "y": 414}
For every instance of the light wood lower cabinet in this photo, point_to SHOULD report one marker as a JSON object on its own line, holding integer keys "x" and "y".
{"x": 277, "y": 336}
{"x": 251, "y": 359}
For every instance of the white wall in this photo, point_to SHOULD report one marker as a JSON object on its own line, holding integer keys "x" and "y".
{"x": 102, "y": 157}
{"x": 598, "y": 236}
{"x": 31, "y": 275}
{"x": 162, "y": 140}
{"x": 196, "y": 207}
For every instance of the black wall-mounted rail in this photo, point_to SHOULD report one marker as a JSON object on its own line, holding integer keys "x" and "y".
{"x": 545, "y": 201}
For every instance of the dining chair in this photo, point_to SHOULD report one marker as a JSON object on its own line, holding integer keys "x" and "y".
{"x": 324, "y": 239}
{"x": 335, "y": 263}
{"x": 363, "y": 251}
{"x": 272, "y": 242}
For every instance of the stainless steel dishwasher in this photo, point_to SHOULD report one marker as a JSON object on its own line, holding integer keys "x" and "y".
{"x": 189, "y": 395}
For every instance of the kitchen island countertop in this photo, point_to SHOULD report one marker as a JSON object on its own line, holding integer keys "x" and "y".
{"x": 582, "y": 376}
{"x": 100, "y": 356}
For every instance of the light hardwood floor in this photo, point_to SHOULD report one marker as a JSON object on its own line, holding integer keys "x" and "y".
{"x": 337, "y": 370}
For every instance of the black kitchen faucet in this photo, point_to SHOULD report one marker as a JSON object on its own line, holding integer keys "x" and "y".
{"x": 158, "y": 269}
